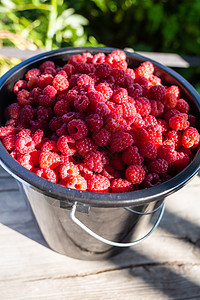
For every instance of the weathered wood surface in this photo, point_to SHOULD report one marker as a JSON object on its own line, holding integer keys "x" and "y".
{"x": 165, "y": 266}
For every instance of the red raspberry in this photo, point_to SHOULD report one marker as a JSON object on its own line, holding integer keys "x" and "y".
{"x": 141, "y": 80}
{"x": 85, "y": 145}
{"x": 84, "y": 80}
{"x": 157, "y": 92}
{"x": 103, "y": 70}
{"x": 44, "y": 113}
{"x": 77, "y": 129}
{"x": 167, "y": 152}
{"x": 102, "y": 109}
{"x": 24, "y": 132}
{"x": 13, "y": 111}
{"x": 24, "y": 144}
{"x": 32, "y": 83}
{"x": 115, "y": 56}
{"x": 192, "y": 119}
{"x": 50, "y": 91}
{"x": 128, "y": 109}
{"x": 50, "y": 71}
{"x": 94, "y": 122}
{"x": 68, "y": 169}
{"x": 151, "y": 179}
{"x": 115, "y": 123}
{"x": 35, "y": 157}
{"x": 174, "y": 90}
{"x": 145, "y": 69}
{"x": 7, "y": 130}
{"x": 190, "y": 138}
{"x": 49, "y": 145}
{"x": 76, "y": 59}
{"x": 135, "y": 90}
{"x": 179, "y": 121}
{"x": 170, "y": 113}
{"x": 152, "y": 133}
{"x": 49, "y": 160}
{"x": 117, "y": 162}
{"x": 158, "y": 166}
{"x": 99, "y": 58}
{"x": 131, "y": 156}
{"x": 9, "y": 142}
{"x": 72, "y": 115}
{"x": 12, "y": 122}
{"x": 61, "y": 107}
{"x": 23, "y": 97}
{"x": 32, "y": 73}
{"x": 149, "y": 120}
{"x": 81, "y": 103}
{"x": 157, "y": 108}
{"x": 169, "y": 100}
{"x": 101, "y": 137}
{"x": 119, "y": 77}
{"x": 148, "y": 150}
{"x": 55, "y": 123}
{"x": 98, "y": 183}
{"x": 135, "y": 174}
{"x": 121, "y": 65}
{"x": 182, "y": 160}
{"x": 95, "y": 97}
{"x": 60, "y": 83}
{"x": 75, "y": 182}
{"x": 20, "y": 85}
{"x": 154, "y": 80}
{"x": 182, "y": 106}
{"x": 26, "y": 161}
{"x": 131, "y": 73}
{"x": 143, "y": 106}
{"x": 69, "y": 69}
{"x": 120, "y": 141}
{"x": 47, "y": 174}
{"x": 105, "y": 90}
{"x": 26, "y": 114}
{"x": 95, "y": 161}
{"x": 115, "y": 108}
{"x": 62, "y": 130}
{"x": 66, "y": 145}
{"x": 120, "y": 95}
{"x": 46, "y": 101}
{"x": 121, "y": 185}
{"x": 83, "y": 68}
{"x": 175, "y": 137}
{"x": 46, "y": 64}
{"x": 44, "y": 80}
{"x": 110, "y": 172}
{"x": 135, "y": 122}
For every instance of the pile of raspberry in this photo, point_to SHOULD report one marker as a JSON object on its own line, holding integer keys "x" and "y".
{"x": 96, "y": 124}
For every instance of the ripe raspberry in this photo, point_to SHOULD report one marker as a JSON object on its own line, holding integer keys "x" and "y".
{"x": 44, "y": 80}
{"x": 190, "y": 138}
{"x": 119, "y": 77}
{"x": 143, "y": 106}
{"x": 99, "y": 58}
{"x": 179, "y": 121}
{"x": 55, "y": 123}
{"x": 128, "y": 109}
{"x": 167, "y": 152}
{"x": 158, "y": 166}
{"x": 131, "y": 156}
{"x": 69, "y": 69}
{"x": 60, "y": 83}
{"x": 24, "y": 132}
{"x": 44, "y": 113}
{"x": 103, "y": 70}
{"x": 61, "y": 107}
{"x": 12, "y": 122}
{"x": 13, "y": 111}
{"x": 81, "y": 103}
{"x": 67, "y": 169}
{"x": 145, "y": 69}
{"x": 157, "y": 108}
{"x": 49, "y": 145}
{"x": 148, "y": 150}
{"x": 76, "y": 59}
{"x": 149, "y": 120}
{"x": 131, "y": 73}
{"x": 192, "y": 119}
{"x": 25, "y": 161}
{"x": 115, "y": 56}
{"x": 20, "y": 85}
{"x": 94, "y": 122}
{"x": 101, "y": 137}
{"x": 49, "y": 160}
{"x": 75, "y": 182}
{"x": 105, "y": 90}
{"x": 134, "y": 123}
{"x": 169, "y": 100}
{"x": 182, "y": 106}
{"x": 50, "y": 70}
{"x": 98, "y": 183}
{"x": 83, "y": 68}
{"x": 120, "y": 141}
{"x": 135, "y": 174}
{"x": 170, "y": 113}
{"x": 152, "y": 134}
{"x": 121, "y": 185}
{"x": 114, "y": 108}
{"x": 117, "y": 162}
{"x": 46, "y": 64}
{"x": 175, "y": 137}
{"x": 26, "y": 114}
{"x": 62, "y": 130}
{"x": 24, "y": 144}
{"x": 72, "y": 115}
{"x": 50, "y": 91}
{"x": 115, "y": 123}
{"x": 23, "y": 97}
{"x": 85, "y": 145}
{"x": 47, "y": 174}
{"x": 135, "y": 90}
{"x": 110, "y": 172}
{"x": 77, "y": 129}
{"x": 84, "y": 80}
{"x": 141, "y": 80}
{"x": 66, "y": 145}
{"x": 46, "y": 101}
{"x": 95, "y": 161}
{"x": 32, "y": 73}
{"x": 181, "y": 161}
{"x": 121, "y": 65}
{"x": 154, "y": 80}
{"x": 174, "y": 90}
{"x": 102, "y": 109}
{"x": 120, "y": 95}
{"x": 157, "y": 92}
{"x": 151, "y": 179}
{"x": 35, "y": 157}
{"x": 9, "y": 142}
{"x": 32, "y": 83}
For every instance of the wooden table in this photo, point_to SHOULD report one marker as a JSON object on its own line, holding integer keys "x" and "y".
{"x": 165, "y": 266}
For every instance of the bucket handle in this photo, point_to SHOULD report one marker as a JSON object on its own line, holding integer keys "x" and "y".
{"x": 98, "y": 237}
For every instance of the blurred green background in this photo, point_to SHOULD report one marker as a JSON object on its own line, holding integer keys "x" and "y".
{"x": 144, "y": 25}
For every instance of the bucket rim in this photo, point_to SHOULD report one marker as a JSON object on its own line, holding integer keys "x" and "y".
{"x": 60, "y": 193}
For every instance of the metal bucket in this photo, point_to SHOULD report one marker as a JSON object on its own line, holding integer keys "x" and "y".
{"x": 87, "y": 225}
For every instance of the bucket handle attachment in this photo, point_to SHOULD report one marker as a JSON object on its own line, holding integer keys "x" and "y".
{"x": 98, "y": 237}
